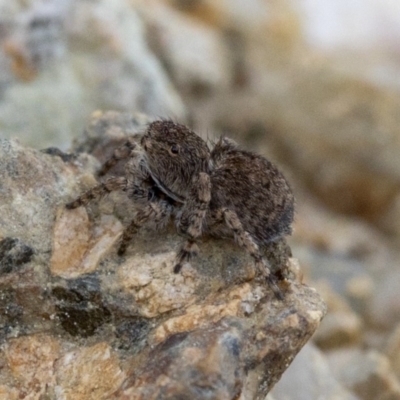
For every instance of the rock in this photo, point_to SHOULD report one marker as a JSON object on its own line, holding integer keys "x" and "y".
{"x": 88, "y": 373}
{"x": 392, "y": 350}
{"x": 62, "y": 59}
{"x": 70, "y": 242}
{"x": 30, "y": 360}
{"x": 73, "y": 237}
{"x": 152, "y": 285}
{"x": 80, "y": 307}
{"x": 384, "y": 307}
{"x": 106, "y": 130}
{"x": 336, "y": 234}
{"x": 310, "y": 377}
{"x": 74, "y": 312}
{"x": 195, "y": 54}
{"x": 367, "y": 373}
{"x": 342, "y": 326}
{"x": 8, "y": 393}
{"x": 13, "y": 254}
{"x": 218, "y": 356}
{"x": 41, "y": 367}
{"x": 33, "y": 194}
{"x": 251, "y": 17}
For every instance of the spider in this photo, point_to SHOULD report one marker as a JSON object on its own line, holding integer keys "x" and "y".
{"x": 223, "y": 191}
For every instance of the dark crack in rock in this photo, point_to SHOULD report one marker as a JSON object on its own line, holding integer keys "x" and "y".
{"x": 80, "y": 307}
{"x": 10, "y": 312}
{"x": 13, "y": 254}
{"x": 131, "y": 333}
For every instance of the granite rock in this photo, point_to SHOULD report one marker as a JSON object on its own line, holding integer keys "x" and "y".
{"x": 74, "y": 311}
{"x": 222, "y": 357}
{"x": 30, "y": 360}
{"x": 80, "y": 374}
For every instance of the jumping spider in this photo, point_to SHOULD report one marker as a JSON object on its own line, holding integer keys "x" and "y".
{"x": 224, "y": 192}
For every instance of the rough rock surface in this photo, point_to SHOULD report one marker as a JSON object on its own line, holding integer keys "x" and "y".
{"x": 313, "y": 85}
{"x": 73, "y": 312}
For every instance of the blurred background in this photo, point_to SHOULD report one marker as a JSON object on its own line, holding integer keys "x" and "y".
{"x": 313, "y": 84}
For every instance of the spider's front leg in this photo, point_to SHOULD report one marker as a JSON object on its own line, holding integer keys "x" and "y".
{"x": 139, "y": 188}
{"x": 192, "y": 218}
{"x": 113, "y": 183}
{"x": 99, "y": 191}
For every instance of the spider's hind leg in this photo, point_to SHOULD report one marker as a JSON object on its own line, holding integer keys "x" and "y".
{"x": 156, "y": 212}
{"x": 245, "y": 240}
{"x": 120, "y": 153}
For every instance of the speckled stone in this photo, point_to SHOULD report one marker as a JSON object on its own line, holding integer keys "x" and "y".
{"x": 78, "y": 246}
{"x": 79, "y": 322}
{"x": 225, "y": 352}
{"x": 88, "y": 373}
{"x": 30, "y": 360}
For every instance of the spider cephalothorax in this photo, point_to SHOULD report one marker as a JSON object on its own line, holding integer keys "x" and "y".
{"x": 225, "y": 191}
{"x": 174, "y": 155}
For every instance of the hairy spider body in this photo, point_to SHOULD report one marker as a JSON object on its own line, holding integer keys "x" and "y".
{"x": 224, "y": 191}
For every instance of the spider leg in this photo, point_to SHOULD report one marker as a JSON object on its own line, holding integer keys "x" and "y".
{"x": 245, "y": 240}
{"x": 192, "y": 218}
{"x": 187, "y": 252}
{"x": 120, "y": 153}
{"x": 156, "y": 212}
{"x": 99, "y": 191}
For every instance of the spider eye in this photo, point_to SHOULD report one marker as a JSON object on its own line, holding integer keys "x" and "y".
{"x": 174, "y": 149}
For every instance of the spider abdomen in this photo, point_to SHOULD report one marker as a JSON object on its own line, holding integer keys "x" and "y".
{"x": 255, "y": 189}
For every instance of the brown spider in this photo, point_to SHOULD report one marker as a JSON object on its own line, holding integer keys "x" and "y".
{"x": 224, "y": 191}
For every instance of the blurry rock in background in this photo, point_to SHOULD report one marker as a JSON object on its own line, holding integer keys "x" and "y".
{"x": 310, "y": 377}
{"x": 62, "y": 59}
{"x": 331, "y": 110}
{"x": 312, "y": 85}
